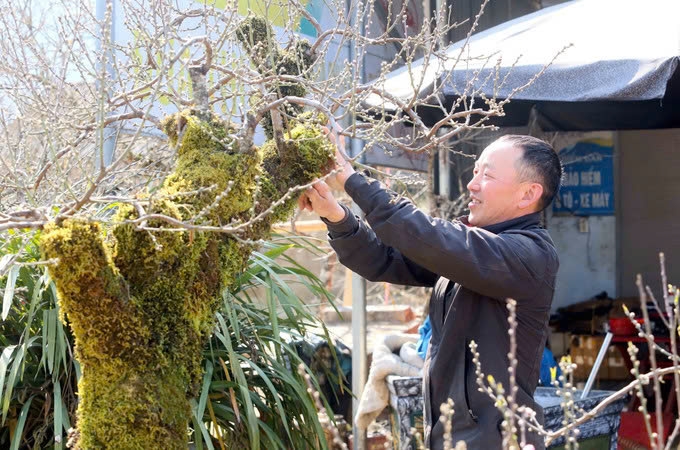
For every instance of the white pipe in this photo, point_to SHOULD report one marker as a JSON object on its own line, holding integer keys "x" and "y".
{"x": 596, "y": 366}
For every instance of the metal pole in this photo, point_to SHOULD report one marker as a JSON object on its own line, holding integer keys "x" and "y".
{"x": 359, "y": 369}
{"x": 596, "y": 366}
{"x": 109, "y": 141}
{"x": 444, "y": 172}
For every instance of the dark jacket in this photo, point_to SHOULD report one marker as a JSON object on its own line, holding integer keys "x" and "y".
{"x": 473, "y": 271}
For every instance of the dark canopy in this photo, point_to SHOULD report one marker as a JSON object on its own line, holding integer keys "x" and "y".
{"x": 620, "y": 73}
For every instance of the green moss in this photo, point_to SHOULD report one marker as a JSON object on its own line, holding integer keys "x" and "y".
{"x": 209, "y": 158}
{"x": 306, "y": 154}
{"x": 132, "y": 409}
{"x": 257, "y": 37}
{"x": 93, "y": 295}
{"x": 299, "y": 55}
{"x": 295, "y": 60}
{"x": 142, "y": 308}
{"x": 254, "y": 30}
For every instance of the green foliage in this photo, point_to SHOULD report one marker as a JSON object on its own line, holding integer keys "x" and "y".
{"x": 38, "y": 373}
{"x": 257, "y": 37}
{"x": 256, "y": 393}
{"x": 249, "y": 393}
{"x": 141, "y": 303}
{"x": 306, "y": 154}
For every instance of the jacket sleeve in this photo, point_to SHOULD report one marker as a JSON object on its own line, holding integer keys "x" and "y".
{"x": 359, "y": 249}
{"x": 509, "y": 264}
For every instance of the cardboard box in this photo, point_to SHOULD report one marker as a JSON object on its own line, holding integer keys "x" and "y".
{"x": 584, "y": 350}
{"x": 616, "y": 365}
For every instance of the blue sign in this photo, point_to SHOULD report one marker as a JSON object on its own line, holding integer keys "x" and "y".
{"x": 588, "y": 182}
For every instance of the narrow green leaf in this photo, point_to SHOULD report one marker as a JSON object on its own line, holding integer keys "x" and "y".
{"x": 45, "y": 318}
{"x": 198, "y": 440}
{"x": 273, "y": 316}
{"x": 18, "y": 359}
{"x": 293, "y": 382}
{"x": 35, "y": 296}
{"x": 61, "y": 340}
{"x": 278, "y": 251}
{"x": 58, "y": 410}
{"x": 19, "y": 430}
{"x": 236, "y": 326}
{"x": 51, "y": 339}
{"x": 9, "y": 291}
{"x": 245, "y": 392}
{"x": 5, "y": 262}
{"x": 198, "y": 421}
{"x": 207, "y": 376}
{"x": 64, "y": 417}
{"x": 45, "y": 279}
{"x": 273, "y": 438}
{"x": 53, "y": 289}
{"x": 4, "y": 363}
{"x": 223, "y": 325}
{"x": 275, "y": 393}
{"x": 79, "y": 373}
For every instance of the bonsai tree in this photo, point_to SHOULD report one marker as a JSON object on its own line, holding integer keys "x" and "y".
{"x": 142, "y": 302}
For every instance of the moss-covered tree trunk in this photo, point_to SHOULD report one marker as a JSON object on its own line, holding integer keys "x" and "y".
{"x": 141, "y": 302}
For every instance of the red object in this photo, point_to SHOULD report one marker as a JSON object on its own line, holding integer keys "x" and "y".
{"x": 633, "y": 427}
{"x": 622, "y": 326}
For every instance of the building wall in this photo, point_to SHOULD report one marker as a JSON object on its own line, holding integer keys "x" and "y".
{"x": 586, "y": 245}
{"x": 649, "y": 208}
{"x": 587, "y": 258}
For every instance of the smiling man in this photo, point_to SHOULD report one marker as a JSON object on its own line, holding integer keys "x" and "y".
{"x": 474, "y": 265}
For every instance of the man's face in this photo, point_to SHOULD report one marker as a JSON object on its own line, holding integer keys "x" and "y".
{"x": 495, "y": 190}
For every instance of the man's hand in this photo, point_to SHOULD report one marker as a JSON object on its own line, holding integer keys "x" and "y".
{"x": 320, "y": 200}
{"x": 343, "y": 167}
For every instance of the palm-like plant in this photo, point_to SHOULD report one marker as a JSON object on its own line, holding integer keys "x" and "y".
{"x": 38, "y": 373}
{"x": 251, "y": 388}
{"x": 255, "y": 385}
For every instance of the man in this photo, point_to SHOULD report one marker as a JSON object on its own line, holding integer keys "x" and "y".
{"x": 497, "y": 252}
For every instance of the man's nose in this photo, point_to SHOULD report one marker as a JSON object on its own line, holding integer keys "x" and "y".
{"x": 473, "y": 185}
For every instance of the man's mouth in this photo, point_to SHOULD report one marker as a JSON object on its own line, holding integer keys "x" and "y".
{"x": 474, "y": 202}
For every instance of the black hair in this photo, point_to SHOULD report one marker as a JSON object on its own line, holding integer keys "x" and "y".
{"x": 539, "y": 163}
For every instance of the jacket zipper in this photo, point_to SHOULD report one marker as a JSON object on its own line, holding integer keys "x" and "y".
{"x": 468, "y": 405}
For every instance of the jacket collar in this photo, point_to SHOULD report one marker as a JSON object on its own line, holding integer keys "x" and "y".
{"x": 518, "y": 223}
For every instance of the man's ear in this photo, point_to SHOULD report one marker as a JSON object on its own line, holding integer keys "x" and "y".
{"x": 531, "y": 195}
